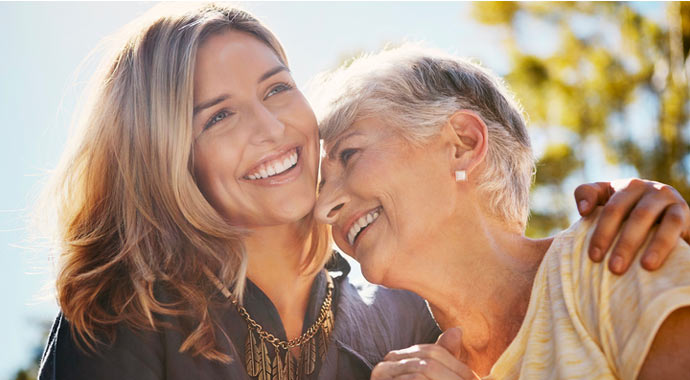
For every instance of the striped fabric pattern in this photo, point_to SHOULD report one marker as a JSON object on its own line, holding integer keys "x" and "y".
{"x": 584, "y": 322}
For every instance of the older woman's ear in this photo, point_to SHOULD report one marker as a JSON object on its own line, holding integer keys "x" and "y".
{"x": 469, "y": 137}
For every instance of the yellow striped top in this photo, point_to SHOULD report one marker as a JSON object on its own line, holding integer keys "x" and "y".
{"x": 584, "y": 322}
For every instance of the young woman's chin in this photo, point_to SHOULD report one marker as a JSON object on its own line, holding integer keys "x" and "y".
{"x": 294, "y": 210}
{"x": 289, "y": 208}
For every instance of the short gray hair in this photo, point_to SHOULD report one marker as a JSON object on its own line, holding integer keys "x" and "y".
{"x": 416, "y": 90}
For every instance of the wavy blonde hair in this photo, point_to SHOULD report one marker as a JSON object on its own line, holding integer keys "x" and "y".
{"x": 132, "y": 223}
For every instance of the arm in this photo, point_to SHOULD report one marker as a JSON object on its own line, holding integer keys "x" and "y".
{"x": 669, "y": 356}
{"x": 632, "y": 317}
{"x": 643, "y": 204}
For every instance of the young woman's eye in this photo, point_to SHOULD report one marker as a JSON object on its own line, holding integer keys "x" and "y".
{"x": 220, "y": 116}
{"x": 278, "y": 89}
{"x": 346, "y": 154}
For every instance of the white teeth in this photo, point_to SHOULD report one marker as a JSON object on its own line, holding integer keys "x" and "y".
{"x": 275, "y": 167}
{"x": 360, "y": 224}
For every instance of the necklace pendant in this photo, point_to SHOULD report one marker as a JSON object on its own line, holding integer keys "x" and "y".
{"x": 278, "y": 368}
{"x": 266, "y": 367}
{"x": 290, "y": 366}
{"x": 322, "y": 344}
{"x": 328, "y": 323}
{"x": 252, "y": 353}
{"x": 307, "y": 357}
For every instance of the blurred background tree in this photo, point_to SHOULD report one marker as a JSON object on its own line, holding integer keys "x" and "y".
{"x": 611, "y": 83}
{"x": 30, "y": 370}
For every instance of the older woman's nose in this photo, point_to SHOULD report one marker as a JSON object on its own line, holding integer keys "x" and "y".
{"x": 328, "y": 206}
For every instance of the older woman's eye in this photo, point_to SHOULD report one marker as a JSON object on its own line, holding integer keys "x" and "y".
{"x": 278, "y": 89}
{"x": 220, "y": 116}
{"x": 346, "y": 154}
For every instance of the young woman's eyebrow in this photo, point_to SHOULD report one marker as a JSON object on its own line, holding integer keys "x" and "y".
{"x": 209, "y": 103}
{"x": 272, "y": 72}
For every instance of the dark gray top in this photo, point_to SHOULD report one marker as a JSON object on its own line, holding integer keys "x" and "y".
{"x": 370, "y": 321}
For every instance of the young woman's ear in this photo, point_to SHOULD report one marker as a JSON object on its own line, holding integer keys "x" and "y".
{"x": 469, "y": 136}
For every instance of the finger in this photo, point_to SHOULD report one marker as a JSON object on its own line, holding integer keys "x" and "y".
{"x": 451, "y": 340}
{"x": 589, "y": 195}
{"x": 412, "y": 376}
{"x": 612, "y": 216}
{"x": 421, "y": 376}
{"x": 636, "y": 229}
{"x": 425, "y": 351}
{"x": 673, "y": 222}
{"x": 381, "y": 370}
{"x": 429, "y": 368}
{"x": 430, "y": 353}
{"x": 433, "y": 370}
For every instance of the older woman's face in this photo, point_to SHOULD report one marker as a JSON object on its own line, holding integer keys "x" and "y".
{"x": 384, "y": 197}
{"x": 256, "y": 144}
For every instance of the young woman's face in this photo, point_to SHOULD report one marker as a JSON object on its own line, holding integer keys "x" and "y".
{"x": 385, "y": 198}
{"x": 256, "y": 145}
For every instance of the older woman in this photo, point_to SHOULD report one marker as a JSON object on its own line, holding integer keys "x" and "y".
{"x": 426, "y": 183}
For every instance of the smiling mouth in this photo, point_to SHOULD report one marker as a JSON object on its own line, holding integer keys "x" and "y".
{"x": 361, "y": 224}
{"x": 276, "y": 166}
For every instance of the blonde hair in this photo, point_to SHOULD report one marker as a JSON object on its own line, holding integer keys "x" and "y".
{"x": 132, "y": 223}
{"x": 415, "y": 90}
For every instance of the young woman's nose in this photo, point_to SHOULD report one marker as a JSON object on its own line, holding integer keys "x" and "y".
{"x": 268, "y": 127}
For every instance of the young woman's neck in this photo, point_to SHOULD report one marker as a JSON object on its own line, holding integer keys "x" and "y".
{"x": 275, "y": 255}
{"x": 479, "y": 277}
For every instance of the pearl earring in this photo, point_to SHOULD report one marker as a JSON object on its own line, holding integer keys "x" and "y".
{"x": 460, "y": 175}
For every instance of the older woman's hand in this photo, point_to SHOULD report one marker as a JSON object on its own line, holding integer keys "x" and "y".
{"x": 643, "y": 203}
{"x": 427, "y": 361}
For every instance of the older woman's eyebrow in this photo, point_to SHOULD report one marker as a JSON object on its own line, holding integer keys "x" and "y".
{"x": 331, "y": 153}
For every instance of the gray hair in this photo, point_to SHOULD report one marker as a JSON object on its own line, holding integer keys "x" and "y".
{"x": 416, "y": 90}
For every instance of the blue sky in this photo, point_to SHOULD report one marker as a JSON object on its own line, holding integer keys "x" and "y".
{"x": 44, "y": 43}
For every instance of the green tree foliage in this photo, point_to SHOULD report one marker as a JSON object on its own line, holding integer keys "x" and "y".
{"x": 612, "y": 65}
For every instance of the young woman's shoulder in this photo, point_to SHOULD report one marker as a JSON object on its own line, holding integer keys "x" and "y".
{"x": 374, "y": 320}
{"x": 132, "y": 355}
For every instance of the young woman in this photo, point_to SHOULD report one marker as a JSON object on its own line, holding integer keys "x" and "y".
{"x": 426, "y": 184}
{"x": 188, "y": 245}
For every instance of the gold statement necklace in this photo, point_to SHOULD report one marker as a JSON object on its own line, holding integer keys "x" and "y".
{"x": 281, "y": 365}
